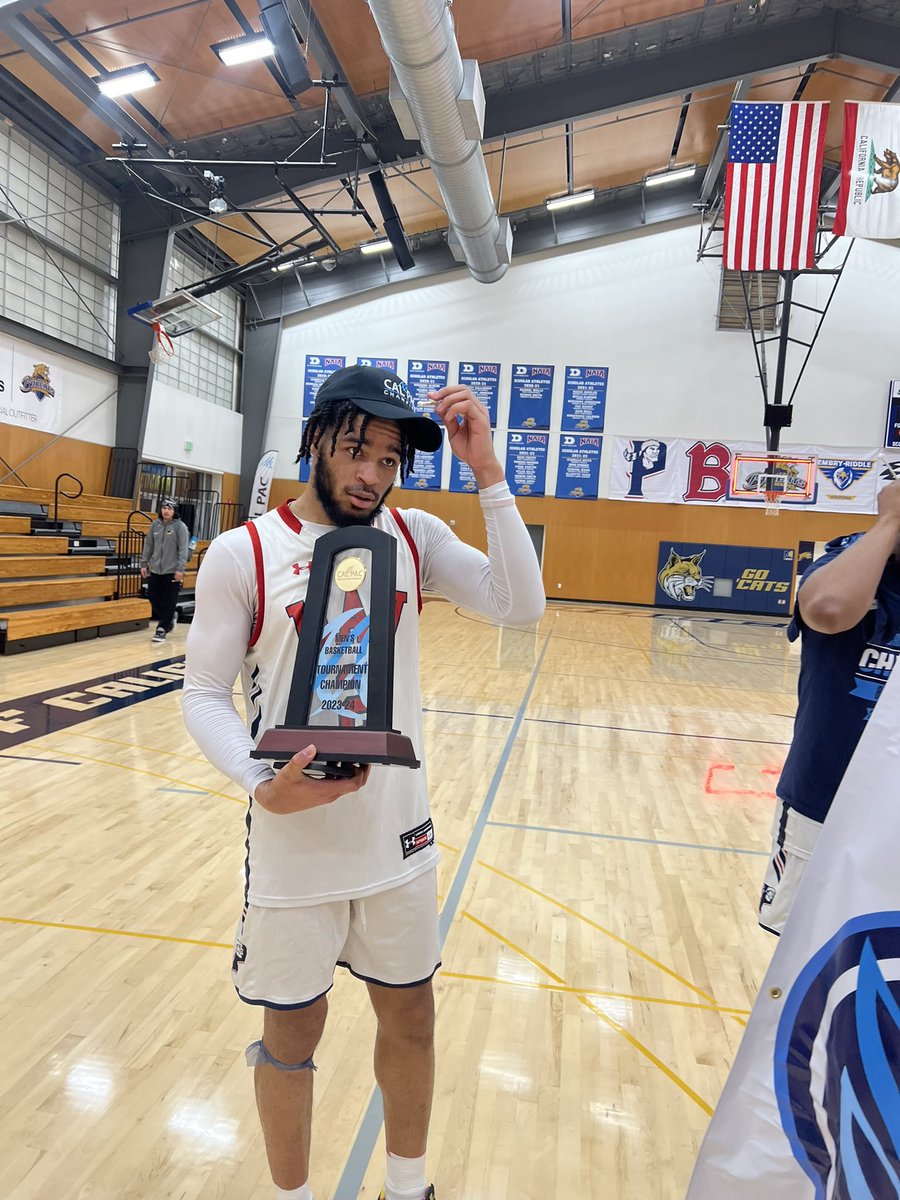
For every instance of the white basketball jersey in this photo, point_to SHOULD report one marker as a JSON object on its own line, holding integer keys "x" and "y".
{"x": 370, "y": 840}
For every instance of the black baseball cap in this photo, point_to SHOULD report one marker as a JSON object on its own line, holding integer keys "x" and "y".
{"x": 381, "y": 394}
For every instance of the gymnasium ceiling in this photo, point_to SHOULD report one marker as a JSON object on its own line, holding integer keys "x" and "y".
{"x": 580, "y": 93}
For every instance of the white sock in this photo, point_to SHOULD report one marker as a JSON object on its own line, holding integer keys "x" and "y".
{"x": 405, "y": 1178}
{"x": 300, "y": 1193}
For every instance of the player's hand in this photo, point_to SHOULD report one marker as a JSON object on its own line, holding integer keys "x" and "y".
{"x": 291, "y": 791}
{"x": 470, "y": 440}
{"x": 179, "y": 576}
{"x": 144, "y": 572}
{"x": 889, "y": 501}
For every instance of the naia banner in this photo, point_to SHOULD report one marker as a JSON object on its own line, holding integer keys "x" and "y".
{"x": 869, "y": 199}
{"x": 811, "y": 1109}
{"x": 692, "y": 471}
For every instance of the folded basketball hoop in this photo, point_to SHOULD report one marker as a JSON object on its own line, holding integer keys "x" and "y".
{"x": 176, "y": 314}
{"x": 163, "y": 348}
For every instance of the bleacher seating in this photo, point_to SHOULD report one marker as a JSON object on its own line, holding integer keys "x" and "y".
{"x": 58, "y": 581}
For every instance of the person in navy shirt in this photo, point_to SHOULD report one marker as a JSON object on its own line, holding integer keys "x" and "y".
{"x": 848, "y": 619}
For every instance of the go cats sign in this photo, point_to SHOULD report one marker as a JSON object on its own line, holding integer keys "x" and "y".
{"x": 743, "y": 579}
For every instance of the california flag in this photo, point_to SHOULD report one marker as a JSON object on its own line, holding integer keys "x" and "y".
{"x": 869, "y": 199}
{"x": 811, "y": 1110}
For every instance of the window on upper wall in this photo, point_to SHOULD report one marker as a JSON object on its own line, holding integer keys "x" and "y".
{"x": 59, "y": 248}
{"x": 205, "y": 361}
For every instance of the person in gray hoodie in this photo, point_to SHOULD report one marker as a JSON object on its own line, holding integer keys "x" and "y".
{"x": 162, "y": 564}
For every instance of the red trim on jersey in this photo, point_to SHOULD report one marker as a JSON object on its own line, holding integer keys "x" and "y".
{"x": 260, "y": 583}
{"x": 401, "y": 524}
{"x": 284, "y": 511}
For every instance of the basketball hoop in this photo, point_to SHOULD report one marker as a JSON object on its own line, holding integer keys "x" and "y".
{"x": 773, "y": 503}
{"x": 163, "y": 348}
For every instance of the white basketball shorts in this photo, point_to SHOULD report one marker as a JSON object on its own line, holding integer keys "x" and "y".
{"x": 793, "y": 839}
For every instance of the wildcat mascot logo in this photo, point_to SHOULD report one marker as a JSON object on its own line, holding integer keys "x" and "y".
{"x": 38, "y": 382}
{"x": 681, "y": 578}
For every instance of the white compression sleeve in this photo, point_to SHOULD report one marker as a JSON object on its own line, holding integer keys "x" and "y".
{"x": 217, "y": 641}
{"x": 506, "y": 583}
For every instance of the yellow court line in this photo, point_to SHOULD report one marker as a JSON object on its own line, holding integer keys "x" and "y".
{"x": 589, "y": 991}
{"x": 444, "y": 846}
{"x": 630, "y": 1038}
{"x": 153, "y": 937}
{"x": 105, "y": 762}
{"x": 607, "y": 932}
{"x": 131, "y": 745}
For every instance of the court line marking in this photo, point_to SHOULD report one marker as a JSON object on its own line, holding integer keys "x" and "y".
{"x": 353, "y": 1175}
{"x": 610, "y": 1021}
{"x": 155, "y": 775}
{"x": 621, "y": 837}
{"x": 455, "y": 712}
{"x": 132, "y": 745}
{"x": 60, "y": 762}
{"x": 153, "y": 937}
{"x": 607, "y": 932}
{"x": 707, "y": 737}
{"x": 590, "y": 991}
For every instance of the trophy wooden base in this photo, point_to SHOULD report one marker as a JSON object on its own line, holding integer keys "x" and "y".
{"x": 336, "y": 745}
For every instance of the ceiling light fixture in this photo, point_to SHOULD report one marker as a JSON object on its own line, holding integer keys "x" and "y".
{"x": 570, "y": 201}
{"x": 674, "y": 175}
{"x": 382, "y": 246}
{"x": 243, "y": 49}
{"x": 127, "y": 80}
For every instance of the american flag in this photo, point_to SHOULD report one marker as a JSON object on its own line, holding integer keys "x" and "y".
{"x": 772, "y": 185}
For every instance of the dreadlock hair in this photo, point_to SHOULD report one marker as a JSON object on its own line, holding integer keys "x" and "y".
{"x": 330, "y": 417}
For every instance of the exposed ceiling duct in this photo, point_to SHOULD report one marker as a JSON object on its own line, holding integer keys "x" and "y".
{"x": 439, "y": 101}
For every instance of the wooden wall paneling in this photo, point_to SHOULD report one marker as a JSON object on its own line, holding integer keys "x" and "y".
{"x": 614, "y": 149}
{"x": 535, "y": 167}
{"x": 84, "y": 460}
{"x": 590, "y": 18}
{"x": 231, "y": 486}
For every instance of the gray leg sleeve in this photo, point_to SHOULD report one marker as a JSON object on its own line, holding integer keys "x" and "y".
{"x": 257, "y": 1054}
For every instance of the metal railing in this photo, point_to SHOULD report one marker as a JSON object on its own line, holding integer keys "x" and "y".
{"x": 129, "y": 548}
{"x": 57, "y": 490}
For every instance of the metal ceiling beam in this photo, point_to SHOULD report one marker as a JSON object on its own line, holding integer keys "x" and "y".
{"x": 717, "y": 161}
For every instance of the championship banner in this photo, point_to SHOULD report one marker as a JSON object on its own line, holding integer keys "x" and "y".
{"x": 526, "y": 463}
{"x": 578, "y": 472}
{"x": 484, "y": 381}
{"x": 318, "y": 368}
{"x": 426, "y": 473}
{"x": 262, "y": 485}
{"x": 892, "y": 426}
{"x": 584, "y": 398}
{"x": 811, "y": 1108}
{"x": 424, "y": 376}
{"x": 30, "y": 392}
{"x": 869, "y": 199}
{"x": 380, "y": 364}
{"x": 531, "y": 391}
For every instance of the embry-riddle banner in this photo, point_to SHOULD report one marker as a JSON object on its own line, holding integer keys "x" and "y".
{"x": 692, "y": 471}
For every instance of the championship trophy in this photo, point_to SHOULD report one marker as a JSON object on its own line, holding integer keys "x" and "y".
{"x": 342, "y": 692}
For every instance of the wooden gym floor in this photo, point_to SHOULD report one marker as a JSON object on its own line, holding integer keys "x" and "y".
{"x": 602, "y": 790}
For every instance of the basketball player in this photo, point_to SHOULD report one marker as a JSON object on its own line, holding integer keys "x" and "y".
{"x": 343, "y": 871}
{"x": 848, "y": 616}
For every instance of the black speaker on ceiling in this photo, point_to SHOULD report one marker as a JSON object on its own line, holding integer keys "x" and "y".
{"x": 393, "y": 226}
{"x": 287, "y": 42}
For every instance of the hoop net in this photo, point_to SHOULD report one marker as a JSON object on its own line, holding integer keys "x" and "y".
{"x": 163, "y": 348}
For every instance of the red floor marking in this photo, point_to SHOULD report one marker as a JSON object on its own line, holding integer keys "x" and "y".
{"x": 711, "y": 788}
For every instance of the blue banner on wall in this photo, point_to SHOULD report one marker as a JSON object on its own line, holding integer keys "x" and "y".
{"x": 578, "y": 473}
{"x": 752, "y": 579}
{"x": 526, "y": 462}
{"x": 426, "y": 473}
{"x": 584, "y": 398}
{"x": 318, "y": 368}
{"x": 892, "y": 429}
{"x": 381, "y": 364}
{"x": 484, "y": 380}
{"x": 461, "y": 477}
{"x": 531, "y": 391}
{"x": 302, "y": 466}
{"x": 426, "y": 375}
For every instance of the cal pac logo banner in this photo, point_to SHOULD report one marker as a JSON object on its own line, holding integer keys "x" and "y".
{"x": 526, "y": 462}
{"x": 584, "y": 398}
{"x": 426, "y": 473}
{"x": 262, "y": 484}
{"x": 811, "y": 1107}
{"x": 578, "y": 472}
{"x": 754, "y": 579}
{"x": 483, "y": 378}
{"x": 380, "y": 364}
{"x": 531, "y": 391}
{"x": 318, "y": 368}
{"x": 869, "y": 199}
{"x": 426, "y": 375}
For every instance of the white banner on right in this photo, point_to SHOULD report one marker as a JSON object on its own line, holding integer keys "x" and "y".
{"x": 869, "y": 199}
{"x": 811, "y": 1109}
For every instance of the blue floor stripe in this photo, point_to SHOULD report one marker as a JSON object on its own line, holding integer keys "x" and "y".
{"x": 60, "y": 762}
{"x": 709, "y": 737}
{"x": 455, "y": 712}
{"x": 187, "y": 791}
{"x": 351, "y": 1180}
{"x": 620, "y": 837}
